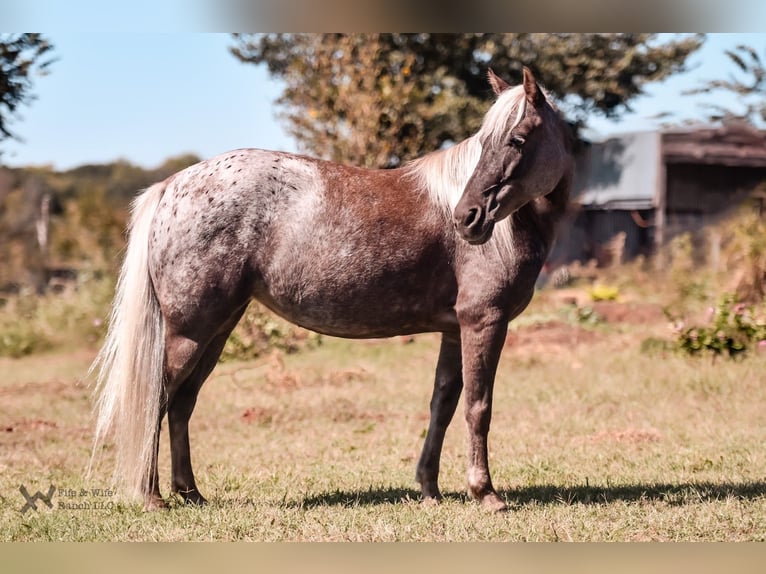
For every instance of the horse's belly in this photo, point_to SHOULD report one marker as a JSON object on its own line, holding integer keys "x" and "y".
{"x": 361, "y": 309}
{"x": 361, "y": 327}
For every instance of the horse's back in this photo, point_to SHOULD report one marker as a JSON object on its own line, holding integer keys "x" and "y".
{"x": 337, "y": 249}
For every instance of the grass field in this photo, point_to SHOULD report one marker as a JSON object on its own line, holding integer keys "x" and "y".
{"x": 591, "y": 440}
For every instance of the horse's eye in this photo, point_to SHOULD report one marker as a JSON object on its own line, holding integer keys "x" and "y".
{"x": 517, "y": 141}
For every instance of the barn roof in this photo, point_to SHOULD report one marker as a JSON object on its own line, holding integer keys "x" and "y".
{"x": 623, "y": 172}
{"x": 732, "y": 145}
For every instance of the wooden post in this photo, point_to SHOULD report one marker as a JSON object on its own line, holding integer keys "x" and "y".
{"x": 660, "y": 206}
{"x": 43, "y": 224}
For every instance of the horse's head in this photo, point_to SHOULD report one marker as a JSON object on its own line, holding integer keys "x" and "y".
{"x": 524, "y": 155}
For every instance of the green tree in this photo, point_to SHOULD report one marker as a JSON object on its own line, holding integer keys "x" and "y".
{"x": 380, "y": 99}
{"x": 748, "y": 84}
{"x": 21, "y": 55}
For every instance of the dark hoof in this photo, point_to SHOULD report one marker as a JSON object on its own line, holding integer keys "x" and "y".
{"x": 192, "y": 498}
{"x": 429, "y": 488}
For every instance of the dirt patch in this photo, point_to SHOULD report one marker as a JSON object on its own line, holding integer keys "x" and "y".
{"x": 277, "y": 378}
{"x": 627, "y": 436}
{"x": 629, "y": 313}
{"x": 547, "y": 335}
{"x": 258, "y": 415}
{"x": 567, "y": 336}
{"x": 52, "y": 388}
{"x": 341, "y": 411}
{"x": 29, "y": 424}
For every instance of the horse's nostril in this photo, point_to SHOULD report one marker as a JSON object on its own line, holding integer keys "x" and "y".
{"x": 470, "y": 219}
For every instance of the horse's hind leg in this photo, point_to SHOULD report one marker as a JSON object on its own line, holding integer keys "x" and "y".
{"x": 182, "y": 397}
{"x": 151, "y": 487}
{"x": 447, "y": 386}
{"x": 180, "y": 408}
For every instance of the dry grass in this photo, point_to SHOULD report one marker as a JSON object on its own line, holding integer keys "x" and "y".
{"x": 591, "y": 440}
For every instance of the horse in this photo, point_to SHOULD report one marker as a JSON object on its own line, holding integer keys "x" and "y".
{"x": 450, "y": 243}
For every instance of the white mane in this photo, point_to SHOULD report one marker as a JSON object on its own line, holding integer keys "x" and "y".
{"x": 445, "y": 173}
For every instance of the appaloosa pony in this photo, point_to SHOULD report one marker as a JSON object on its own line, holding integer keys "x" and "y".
{"x": 451, "y": 243}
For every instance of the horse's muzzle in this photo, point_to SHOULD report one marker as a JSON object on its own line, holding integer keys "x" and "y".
{"x": 475, "y": 225}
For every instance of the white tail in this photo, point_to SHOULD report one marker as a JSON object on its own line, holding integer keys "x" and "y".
{"x": 130, "y": 364}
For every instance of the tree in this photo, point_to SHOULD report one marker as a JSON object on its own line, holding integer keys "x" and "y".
{"x": 380, "y": 99}
{"x": 749, "y": 85}
{"x": 20, "y": 56}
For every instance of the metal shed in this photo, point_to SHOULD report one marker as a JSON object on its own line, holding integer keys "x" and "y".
{"x": 637, "y": 191}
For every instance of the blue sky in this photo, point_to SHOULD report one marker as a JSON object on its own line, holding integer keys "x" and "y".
{"x": 144, "y": 97}
{"x": 147, "y": 96}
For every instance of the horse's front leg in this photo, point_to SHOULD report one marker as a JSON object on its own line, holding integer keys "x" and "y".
{"x": 482, "y": 341}
{"x": 447, "y": 386}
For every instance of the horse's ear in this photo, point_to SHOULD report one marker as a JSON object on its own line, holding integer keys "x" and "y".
{"x": 498, "y": 84}
{"x": 534, "y": 94}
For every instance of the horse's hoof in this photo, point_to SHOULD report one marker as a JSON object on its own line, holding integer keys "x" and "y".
{"x": 493, "y": 503}
{"x": 192, "y": 498}
{"x": 155, "y": 503}
{"x": 429, "y": 488}
{"x": 432, "y": 500}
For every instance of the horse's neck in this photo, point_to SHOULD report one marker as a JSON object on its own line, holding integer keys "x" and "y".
{"x": 555, "y": 203}
{"x": 546, "y": 211}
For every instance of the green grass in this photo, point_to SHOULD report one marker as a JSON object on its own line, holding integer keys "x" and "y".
{"x": 593, "y": 441}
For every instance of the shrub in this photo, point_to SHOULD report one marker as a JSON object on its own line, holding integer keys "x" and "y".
{"x": 30, "y": 323}
{"x": 259, "y": 331}
{"x": 19, "y": 339}
{"x": 76, "y": 317}
{"x": 746, "y": 253}
{"x": 733, "y": 329}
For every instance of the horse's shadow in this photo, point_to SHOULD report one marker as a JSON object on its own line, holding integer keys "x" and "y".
{"x": 549, "y": 494}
